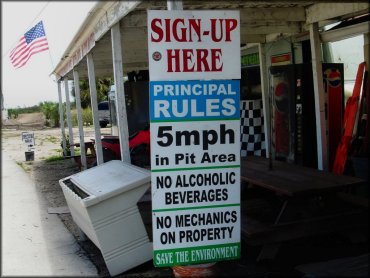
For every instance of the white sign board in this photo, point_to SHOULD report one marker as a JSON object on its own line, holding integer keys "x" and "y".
{"x": 28, "y": 139}
{"x": 195, "y": 136}
{"x": 188, "y": 45}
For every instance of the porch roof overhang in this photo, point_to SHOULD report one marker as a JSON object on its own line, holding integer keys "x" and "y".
{"x": 261, "y": 21}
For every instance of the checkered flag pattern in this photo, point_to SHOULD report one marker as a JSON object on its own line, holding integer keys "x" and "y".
{"x": 252, "y": 128}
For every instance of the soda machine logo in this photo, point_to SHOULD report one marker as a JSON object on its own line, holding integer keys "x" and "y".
{"x": 333, "y": 77}
{"x": 281, "y": 97}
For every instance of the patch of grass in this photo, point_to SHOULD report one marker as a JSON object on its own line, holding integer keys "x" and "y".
{"x": 77, "y": 151}
{"x": 54, "y": 158}
{"x": 25, "y": 166}
{"x": 52, "y": 139}
{"x": 48, "y": 138}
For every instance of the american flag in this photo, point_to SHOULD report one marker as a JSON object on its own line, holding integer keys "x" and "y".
{"x": 33, "y": 41}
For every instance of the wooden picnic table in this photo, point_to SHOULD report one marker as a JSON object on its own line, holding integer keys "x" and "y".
{"x": 296, "y": 189}
{"x": 292, "y": 180}
{"x": 89, "y": 145}
{"x": 90, "y": 158}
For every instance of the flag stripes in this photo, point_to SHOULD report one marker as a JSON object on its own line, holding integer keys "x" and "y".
{"x": 33, "y": 41}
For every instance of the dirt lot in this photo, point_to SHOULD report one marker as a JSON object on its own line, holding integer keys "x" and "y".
{"x": 47, "y": 174}
{"x": 46, "y": 171}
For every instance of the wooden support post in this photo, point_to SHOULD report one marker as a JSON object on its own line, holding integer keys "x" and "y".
{"x": 94, "y": 108}
{"x": 120, "y": 94}
{"x": 69, "y": 118}
{"x": 79, "y": 119}
{"x": 174, "y": 5}
{"x": 265, "y": 97}
{"x": 367, "y": 50}
{"x": 322, "y": 156}
{"x": 61, "y": 119}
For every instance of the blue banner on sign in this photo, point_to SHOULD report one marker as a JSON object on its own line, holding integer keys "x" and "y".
{"x": 194, "y": 100}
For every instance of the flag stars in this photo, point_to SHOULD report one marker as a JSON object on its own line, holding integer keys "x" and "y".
{"x": 34, "y": 33}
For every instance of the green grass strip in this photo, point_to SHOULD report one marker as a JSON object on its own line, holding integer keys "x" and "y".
{"x": 200, "y": 207}
{"x": 54, "y": 158}
{"x": 195, "y": 168}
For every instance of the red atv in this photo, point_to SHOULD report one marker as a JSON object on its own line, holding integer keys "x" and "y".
{"x": 139, "y": 144}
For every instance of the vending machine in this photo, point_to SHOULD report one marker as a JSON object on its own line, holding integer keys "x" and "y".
{"x": 293, "y": 120}
{"x": 334, "y": 96}
{"x": 137, "y": 106}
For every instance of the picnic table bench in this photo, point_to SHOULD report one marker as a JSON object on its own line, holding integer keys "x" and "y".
{"x": 299, "y": 202}
{"x": 90, "y": 157}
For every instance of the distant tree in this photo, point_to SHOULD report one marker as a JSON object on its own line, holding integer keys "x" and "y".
{"x": 51, "y": 111}
{"x": 14, "y": 112}
{"x": 46, "y": 108}
{"x": 102, "y": 89}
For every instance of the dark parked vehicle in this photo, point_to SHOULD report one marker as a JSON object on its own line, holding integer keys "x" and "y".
{"x": 104, "y": 114}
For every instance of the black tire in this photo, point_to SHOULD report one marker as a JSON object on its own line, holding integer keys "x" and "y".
{"x": 140, "y": 155}
{"x": 103, "y": 124}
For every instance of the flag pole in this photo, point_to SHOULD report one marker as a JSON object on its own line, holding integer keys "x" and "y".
{"x": 51, "y": 58}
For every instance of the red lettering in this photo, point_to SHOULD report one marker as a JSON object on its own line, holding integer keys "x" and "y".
{"x": 202, "y": 60}
{"x": 179, "y": 29}
{"x": 168, "y": 29}
{"x": 156, "y": 28}
{"x": 219, "y": 26}
{"x": 183, "y": 31}
{"x": 216, "y": 57}
{"x": 187, "y": 60}
{"x": 230, "y": 26}
{"x": 194, "y": 60}
{"x": 214, "y": 30}
{"x": 195, "y": 25}
{"x": 173, "y": 58}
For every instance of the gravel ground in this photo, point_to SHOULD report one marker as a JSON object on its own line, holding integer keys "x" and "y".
{"x": 47, "y": 175}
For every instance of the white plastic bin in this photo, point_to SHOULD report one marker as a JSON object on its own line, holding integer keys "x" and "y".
{"x": 103, "y": 203}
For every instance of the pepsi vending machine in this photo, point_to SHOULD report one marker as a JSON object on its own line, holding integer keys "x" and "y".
{"x": 334, "y": 96}
{"x": 293, "y": 119}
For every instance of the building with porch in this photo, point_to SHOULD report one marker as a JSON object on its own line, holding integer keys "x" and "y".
{"x": 285, "y": 82}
